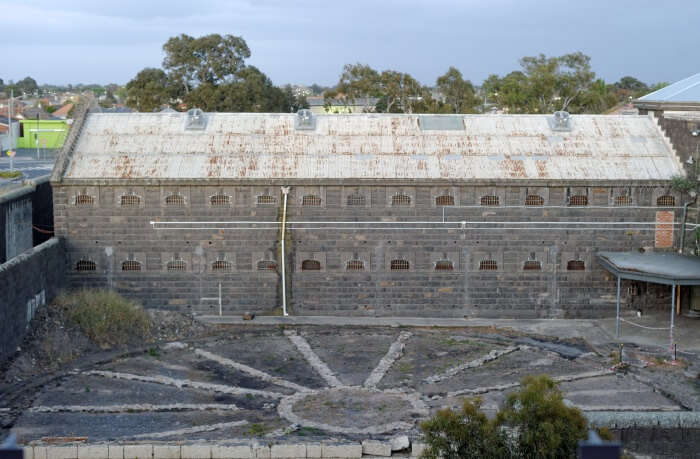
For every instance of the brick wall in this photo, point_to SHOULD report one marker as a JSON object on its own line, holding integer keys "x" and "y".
{"x": 182, "y": 268}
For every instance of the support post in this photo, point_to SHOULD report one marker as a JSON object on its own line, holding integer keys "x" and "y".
{"x": 285, "y": 192}
{"x": 673, "y": 315}
{"x": 220, "y": 311}
{"x": 617, "y": 321}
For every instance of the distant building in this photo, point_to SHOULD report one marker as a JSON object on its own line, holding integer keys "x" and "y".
{"x": 319, "y": 106}
{"x": 63, "y": 112}
{"x": 42, "y": 133}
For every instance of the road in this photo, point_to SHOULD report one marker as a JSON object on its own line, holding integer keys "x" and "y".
{"x": 27, "y": 162}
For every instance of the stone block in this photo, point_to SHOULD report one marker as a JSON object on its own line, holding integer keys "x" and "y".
{"x": 288, "y": 451}
{"x": 196, "y": 451}
{"x": 232, "y": 452}
{"x": 61, "y": 452}
{"x": 138, "y": 451}
{"x": 376, "y": 448}
{"x": 400, "y": 442}
{"x": 39, "y": 452}
{"x": 313, "y": 450}
{"x": 167, "y": 452}
{"x": 262, "y": 451}
{"x": 93, "y": 451}
{"x": 28, "y": 452}
{"x": 417, "y": 449}
{"x": 348, "y": 450}
{"x": 116, "y": 451}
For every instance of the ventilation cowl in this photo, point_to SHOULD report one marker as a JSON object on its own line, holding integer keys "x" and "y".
{"x": 560, "y": 121}
{"x": 195, "y": 120}
{"x": 305, "y": 120}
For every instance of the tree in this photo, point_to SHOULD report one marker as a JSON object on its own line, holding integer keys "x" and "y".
{"x": 148, "y": 91}
{"x": 27, "y": 85}
{"x": 357, "y": 81}
{"x": 401, "y": 90}
{"x": 459, "y": 93}
{"x": 631, "y": 84}
{"x": 2, "y": 85}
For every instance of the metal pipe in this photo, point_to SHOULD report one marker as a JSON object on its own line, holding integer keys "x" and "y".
{"x": 673, "y": 313}
{"x": 285, "y": 192}
{"x": 617, "y": 322}
{"x": 685, "y": 219}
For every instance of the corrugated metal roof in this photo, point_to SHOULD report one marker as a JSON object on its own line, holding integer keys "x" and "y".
{"x": 687, "y": 90}
{"x": 660, "y": 267}
{"x": 370, "y": 146}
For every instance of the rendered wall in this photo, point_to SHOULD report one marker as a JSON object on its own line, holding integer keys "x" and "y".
{"x": 47, "y": 137}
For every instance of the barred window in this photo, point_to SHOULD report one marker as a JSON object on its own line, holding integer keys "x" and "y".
{"x": 400, "y": 200}
{"x": 267, "y": 265}
{"x": 623, "y": 201}
{"x": 175, "y": 200}
{"x": 84, "y": 200}
{"x": 490, "y": 200}
{"x": 355, "y": 265}
{"x": 220, "y": 200}
{"x": 444, "y": 265}
{"x": 131, "y": 265}
{"x": 356, "y": 200}
{"x": 399, "y": 265}
{"x": 176, "y": 265}
{"x": 221, "y": 265}
{"x": 532, "y": 265}
{"x": 534, "y": 200}
{"x": 310, "y": 265}
{"x": 666, "y": 201}
{"x": 311, "y": 200}
{"x": 445, "y": 200}
{"x": 85, "y": 266}
{"x": 129, "y": 200}
{"x": 488, "y": 265}
{"x": 575, "y": 265}
{"x": 578, "y": 200}
{"x": 266, "y": 200}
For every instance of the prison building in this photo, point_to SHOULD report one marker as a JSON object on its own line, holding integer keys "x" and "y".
{"x": 384, "y": 214}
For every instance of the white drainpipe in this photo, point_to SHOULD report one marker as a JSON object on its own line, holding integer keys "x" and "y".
{"x": 285, "y": 192}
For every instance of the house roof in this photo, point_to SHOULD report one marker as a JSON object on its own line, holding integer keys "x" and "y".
{"x": 253, "y": 146}
{"x": 63, "y": 111}
{"x": 686, "y": 90}
{"x": 657, "y": 267}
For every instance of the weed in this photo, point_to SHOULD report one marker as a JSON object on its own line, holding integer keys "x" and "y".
{"x": 153, "y": 352}
{"x": 10, "y": 174}
{"x": 257, "y": 430}
{"x": 249, "y": 396}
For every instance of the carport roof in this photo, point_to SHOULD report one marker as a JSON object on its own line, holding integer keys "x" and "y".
{"x": 661, "y": 268}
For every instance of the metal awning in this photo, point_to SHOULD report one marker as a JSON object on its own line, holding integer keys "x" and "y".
{"x": 660, "y": 268}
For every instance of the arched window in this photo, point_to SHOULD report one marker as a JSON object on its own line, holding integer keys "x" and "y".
{"x": 488, "y": 265}
{"x": 220, "y": 200}
{"x": 623, "y": 201}
{"x": 221, "y": 265}
{"x": 266, "y": 200}
{"x": 578, "y": 200}
{"x": 310, "y": 265}
{"x": 400, "y": 200}
{"x": 400, "y": 265}
{"x": 176, "y": 265}
{"x": 356, "y": 200}
{"x": 355, "y": 265}
{"x": 575, "y": 265}
{"x": 445, "y": 200}
{"x": 85, "y": 266}
{"x": 534, "y": 200}
{"x": 131, "y": 265}
{"x": 84, "y": 200}
{"x": 267, "y": 265}
{"x": 490, "y": 200}
{"x": 666, "y": 201}
{"x": 130, "y": 200}
{"x": 444, "y": 265}
{"x": 532, "y": 265}
{"x": 311, "y": 200}
{"x": 175, "y": 200}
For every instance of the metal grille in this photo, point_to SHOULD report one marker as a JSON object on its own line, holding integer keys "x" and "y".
{"x": 534, "y": 200}
{"x": 356, "y": 200}
{"x": 175, "y": 200}
{"x": 445, "y": 200}
{"x": 266, "y": 265}
{"x": 85, "y": 265}
{"x": 131, "y": 265}
{"x": 400, "y": 200}
{"x": 399, "y": 265}
{"x": 310, "y": 200}
{"x": 623, "y": 201}
{"x": 176, "y": 265}
{"x": 221, "y": 265}
{"x": 220, "y": 200}
{"x": 444, "y": 265}
{"x": 578, "y": 200}
{"x": 489, "y": 200}
{"x": 310, "y": 265}
{"x": 266, "y": 200}
{"x": 355, "y": 265}
{"x": 666, "y": 201}
{"x": 130, "y": 200}
{"x": 532, "y": 265}
{"x": 488, "y": 265}
{"x": 575, "y": 265}
{"x": 84, "y": 200}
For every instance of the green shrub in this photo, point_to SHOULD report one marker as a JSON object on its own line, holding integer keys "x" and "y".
{"x": 107, "y": 318}
{"x": 10, "y": 174}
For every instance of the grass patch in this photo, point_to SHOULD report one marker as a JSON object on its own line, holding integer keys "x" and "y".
{"x": 257, "y": 429}
{"x": 10, "y": 174}
{"x": 107, "y": 318}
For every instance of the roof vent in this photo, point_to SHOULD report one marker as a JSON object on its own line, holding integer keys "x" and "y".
{"x": 441, "y": 123}
{"x": 305, "y": 120}
{"x": 561, "y": 121}
{"x": 195, "y": 120}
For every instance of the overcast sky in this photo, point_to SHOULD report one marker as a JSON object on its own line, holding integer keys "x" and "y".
{"x": 308, "y": 41}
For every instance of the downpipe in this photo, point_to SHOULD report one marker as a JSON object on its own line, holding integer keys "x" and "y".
{"x": 285, "y": 192}
{"x": 685, "y": 219}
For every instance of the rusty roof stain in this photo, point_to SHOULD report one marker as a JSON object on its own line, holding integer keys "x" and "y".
{"x": 370, "y": 146}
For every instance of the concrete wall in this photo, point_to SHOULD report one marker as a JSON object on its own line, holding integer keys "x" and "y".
{"x": 107, "y": 234}
{"x": 28, "y": 281}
